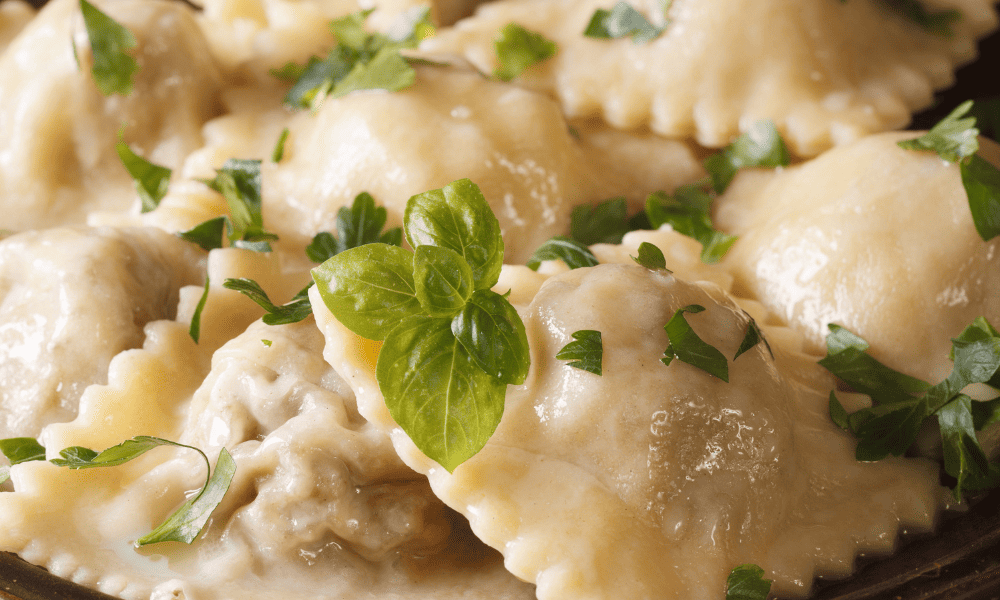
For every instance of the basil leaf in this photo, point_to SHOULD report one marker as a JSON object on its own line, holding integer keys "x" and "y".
{"x": 953, "y": 138}
{"x": 622, "y": 21}
{"x": 760, "y": 146}
{"x": 358, "y": 225}
{"x": 518, "y": 48}
{"x": 239, "y": 183}
{"x": 150, "y": 181}
{"x": 586, "y": 351}
{"x": 113, "y": 67}
{"x": 22, "y": 449}
{"x": 493, "y": 334}
{"x": 207, "y": 235}
{"x": 435, "y": 391}
{"x": 457, "y": 217}
{"x": 297, "y": 309}
{"x": 443, "y": 280}
{"x": 605, "y": 223}
{"x": 194, "y": 330}
{"x": 686, "y": 346}
{"x": 982, "y": 186}
{"x": 369, "y": 289}
{"x": 571, "y": 252}
{"x": 185, "y": 523}
{"x": 279, "y": 147}
{"x": 751, "y": 338}
{"x": 846, "y": 358}
{"x": 746, "y": 582}
{"x": 651, "y": 257}
{"x": 964, "y": 458}
{"x": 688, "y": 213}
{"x": 838, "y": 414}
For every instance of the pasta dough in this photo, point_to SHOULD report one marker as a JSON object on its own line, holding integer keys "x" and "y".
{"x": 826, "y": 72}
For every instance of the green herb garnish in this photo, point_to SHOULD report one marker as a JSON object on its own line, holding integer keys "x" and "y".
{"x": 751, "y": 338}
{"x": 450, "y": 344}
{"x": 686, "y": 346}
{"x": 279, "y": 146}
{"x": 688, "y": 212}
{"x": 760, "y": 146}
{"x": 651, "y": 257}
{"x": 622, "y": 21}
{"x": 150, "y": 180}
{"x": 113, "y": 67}
{"x": 518, "y": 48}
{"x": 955, "y": 139}
{"x": 604, "y": 223}
{"x": 746, "y": 582}
{"x": 586, "y": 351}
{"x": 571, "y": 252}
{"x": 358, "y": 225}
{"x": 194, "y": 329}
{"x": 902, "y": 404}
{"x": 185, "y": 523}
{"x": 297, "y": 309}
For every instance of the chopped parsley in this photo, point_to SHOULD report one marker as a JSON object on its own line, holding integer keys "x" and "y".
{"x": 194, "y": 329}
{"x": 575, "y": 254}
{"x": 746, "y": 582}
{"x": 688, "y": 212}
{"x": 279, "y": 146}
{"x": 686, "y": 346}
{"x": 113, "y": 67}
{"x": 622, "y": 21}
{"x": 518, "y": 48}
{"x": 297, "y": 309}
{"x": 760, "y": 146}
{"x": 586, "y": 351}
{"x": 151, "y": 181}
{"x": 651, "y": 257}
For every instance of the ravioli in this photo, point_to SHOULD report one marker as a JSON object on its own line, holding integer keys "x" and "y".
{"x": 653, "y": 481}
{"x": 871, "y": 237}
{"x": 58, "y": 132}
{"x": 825, "y": 72}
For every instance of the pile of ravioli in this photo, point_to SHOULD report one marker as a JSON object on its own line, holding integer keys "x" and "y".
{"x": 648, "y": 481}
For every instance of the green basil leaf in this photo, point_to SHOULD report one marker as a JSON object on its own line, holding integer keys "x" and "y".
{"x": 686, "y": 346}
{"x": 982, "y": 186}
{"x": 194, "y": 330}
{"x": 746, "y": 582}
{"x": 185, "y": 523}
{"x": 964, "y": 458}
{"x": 586, "y": 351}
{"x": 622, "y": 21}
{"x": 604, "y": 223}
{"x": 493, "y": 334}
{"x": 571, "y": 252}
{"x": 846, "y": 358}
{"x": 279, "y": 147}
{"x": 760, "y": 146}
{"x": 443, "y": 280}
{"x": 207, "y": 235}
{"x": 22, "y": 449}
{"x": 435, "y": 391}
{"x": 688, "y": 213}
{"x": 751, "y": 338}
{"x": 457, "y": 217}
{"x": 113, "y": 68}
{"x": 151, "y": 181}
{"x": 651, "y": 257}
{"x": 358, "y": 225}
{"x": 953, "y": 138}
{"x": 838, "y": 414}
{"x": 297, "y": 309}
{"x": 369, "y": 289}
{"x": 517, "y": 49}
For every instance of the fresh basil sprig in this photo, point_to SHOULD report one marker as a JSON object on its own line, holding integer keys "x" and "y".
{"x": 622, "y": 21}
{"x": 359, "y": 61}
{"x": 955, "y": 139}
{"x": 185, "y": 523}
{"x": 113, "y": 67}
{"x": 358, "y": 225}
{"x": 518, "y": 48}
{"x": 586, "y": 351}
{"x": 151, "y": 181}
{"x": 902, "y": 404}
{"x": 746, "y": 582}
{"x": 450, "y": 344}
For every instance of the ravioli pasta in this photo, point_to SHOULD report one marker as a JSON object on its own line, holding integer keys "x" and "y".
{"x": 649, "y": 481}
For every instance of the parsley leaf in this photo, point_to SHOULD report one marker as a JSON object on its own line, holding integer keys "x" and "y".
{"x": 955, "y": 139}
{"x": 297, "y": 309}
{"x": 207, "y": 235}
{"x": 571, "y": 252}
{"x": 239, "y": 183}
{"x": 651, "y": 257}
{"x": 688, "y": 212}
{"x": 194, "y": 329}
{"x": 358, "y": 225}
{"x": 622, "y": 21}
{"x": 746, "y": 582}
{"x": 760, "y": 146}
{"x": 751, "y": 338}
{"x": 586, "y": 351}
{"x": 518, "y": 48}
{"x": 279, "y": 146}
{"x": 450, "y": 344}
{"x": 686, "y": 346}
{"x": 23, "y": 449}
{"x": 604, "y": 223}
{"x": 113, "y": 68}
{"x": 150, "y": 180}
